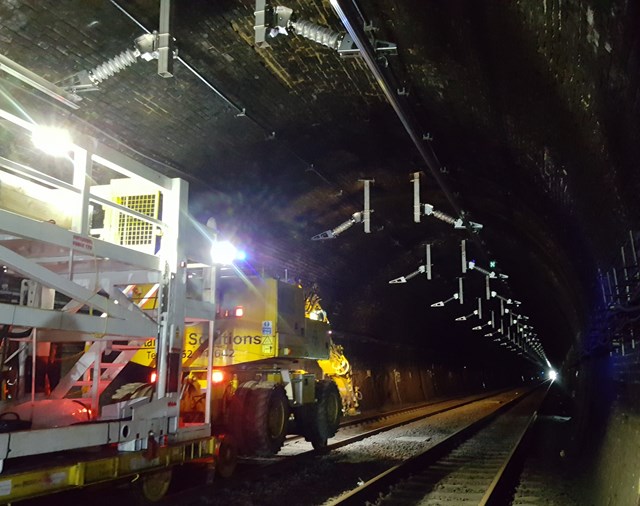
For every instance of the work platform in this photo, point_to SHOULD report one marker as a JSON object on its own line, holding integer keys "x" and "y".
{"x": 78, "y": 235}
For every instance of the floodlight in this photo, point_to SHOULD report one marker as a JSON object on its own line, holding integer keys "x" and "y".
{"x": 52, "y": 140}
{"x": 223, "y": 253}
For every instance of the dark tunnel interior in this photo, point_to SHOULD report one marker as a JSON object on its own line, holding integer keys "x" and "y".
{"x": 523, "y": 117}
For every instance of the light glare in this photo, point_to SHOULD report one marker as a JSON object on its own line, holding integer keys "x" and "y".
{"x": 53, "y": 141}
{"x": 223, "y": 252}
{"x": 553, "y": 375}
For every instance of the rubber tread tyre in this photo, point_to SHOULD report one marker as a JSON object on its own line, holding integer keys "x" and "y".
{"x": 267, "y": 419}
{"x": 330, "y": 402}
{"x": 320, "y": 422}
{"x": 235, "y": 419}
{"x": 226, "y": 457}
{"x": 153, "y": 486}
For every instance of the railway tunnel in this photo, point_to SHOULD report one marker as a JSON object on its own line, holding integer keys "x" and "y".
{"x": 457, "y": 180}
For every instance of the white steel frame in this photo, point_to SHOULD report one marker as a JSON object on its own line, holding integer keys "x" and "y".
{"x": 80, "y": 266}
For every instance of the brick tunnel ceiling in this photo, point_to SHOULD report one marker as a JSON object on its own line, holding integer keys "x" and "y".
{"x": 531, "y": 107}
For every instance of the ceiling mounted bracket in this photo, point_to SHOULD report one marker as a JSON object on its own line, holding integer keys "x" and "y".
{"x": 271, "y": 21}
{"x": 442, "y": 303}
{"x": 149, "y": 46}
{"x": 423, "y": 269}
{"x": 363, "y": 216}
{"x": 420, "y": 209}
{"x": 472, "y": 266}
{"x": 59, "y": 93}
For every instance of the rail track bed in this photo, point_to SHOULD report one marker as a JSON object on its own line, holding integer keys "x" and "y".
{"x": 471, "y": 466}
{"x": 362, "y": 449}
{"x": 358, "y": 453}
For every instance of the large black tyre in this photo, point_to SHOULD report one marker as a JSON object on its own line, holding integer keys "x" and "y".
{"x": 267, "y": 414}
{"x": 235, "y": 418}
{"x": 226, "y": 456}
{"x": 152, "y": 487}
{"x": 320, "y": 422}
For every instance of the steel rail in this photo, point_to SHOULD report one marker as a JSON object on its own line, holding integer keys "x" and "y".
{"x": 189, "y": 484}
{"x": 376, "y": 488}
{"x": 283, "y": 464}
{"x": 503, "y": 484}
{"x": 373, "y": 432}
{"x": 369, "y": 418}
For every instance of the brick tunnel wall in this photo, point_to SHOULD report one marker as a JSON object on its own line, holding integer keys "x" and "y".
{"x": 602, "y": 453}
{"x": 393, "y": 377}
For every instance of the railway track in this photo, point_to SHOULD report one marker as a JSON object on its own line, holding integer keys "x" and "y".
{"x": 356, "y": 429}
{"x": 320, "y": 476}
{"x": 474, "y": 465}
{"x": 314, "y": 478}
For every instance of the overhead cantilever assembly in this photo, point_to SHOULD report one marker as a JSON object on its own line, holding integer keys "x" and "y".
{"x": 420, "y": 209}
{"x": 156, "y": 45}
{"x": 363, "y": 216}
{"x": 271, "y": 21}
{"x": 423, "y": 269}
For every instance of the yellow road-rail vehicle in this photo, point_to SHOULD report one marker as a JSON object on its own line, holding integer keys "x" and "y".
{"x": 104, "y": 276}
{"x": 275, "y": 371}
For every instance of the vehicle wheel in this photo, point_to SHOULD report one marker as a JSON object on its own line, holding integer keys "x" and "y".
{"x": 155, "y": 485}
{"x": 330, "y": 402}
{"x": 235, "y": 419}
{"x": 320, "y": 422}
{"x": 267, "y": 417}
{"x": 226, "y": 456}
{"x": 320, "y": 444}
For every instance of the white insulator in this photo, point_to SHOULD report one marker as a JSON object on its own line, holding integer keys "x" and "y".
{"x": 113, "y": 66}
{"x": 341, "y": 228}
{"x": 444, "y": 217}
{"x": 317, "y": 33}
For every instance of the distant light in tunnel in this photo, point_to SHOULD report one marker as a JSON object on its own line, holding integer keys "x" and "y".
{"x": 553, "y": 375}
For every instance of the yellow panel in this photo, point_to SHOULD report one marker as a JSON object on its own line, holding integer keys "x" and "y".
{"x": 254, "y": 336}
{"x": 46, "y": 481}
{"x": 133, "y": 231}
{"x": 100, "y": 470}
{"x": 147, "y": 354}
{"x": 36, "y": 483}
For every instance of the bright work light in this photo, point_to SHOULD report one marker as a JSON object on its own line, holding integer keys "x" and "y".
{"x": 52, "y": 140}
{"x": 223, "y": 252}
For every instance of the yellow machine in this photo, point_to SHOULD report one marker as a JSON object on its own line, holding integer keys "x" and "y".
{"x": 338, "y": 368}
{"x": 276, "y": 370}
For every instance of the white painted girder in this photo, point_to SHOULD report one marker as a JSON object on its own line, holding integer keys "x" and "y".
{"x": 33, "y": 270}
{"x": 59, "y": 326}
{"x": 50, "y": 234}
